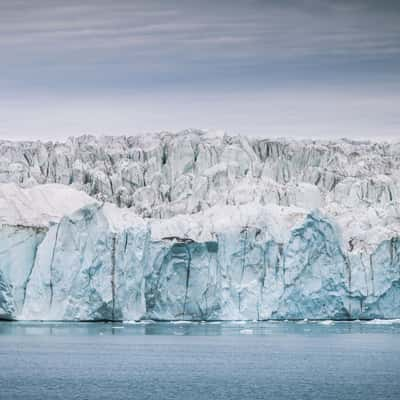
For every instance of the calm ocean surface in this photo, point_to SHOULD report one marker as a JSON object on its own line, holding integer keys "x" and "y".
{"x": 229, "y": 360}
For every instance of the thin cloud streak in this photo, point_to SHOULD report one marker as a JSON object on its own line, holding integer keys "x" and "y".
{"x": 272, "y": 29}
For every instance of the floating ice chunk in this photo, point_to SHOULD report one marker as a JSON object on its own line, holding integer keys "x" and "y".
{"x": 327, "y": 322}
{"x": 383, "y": 321}
{"x": 182, "y": 322}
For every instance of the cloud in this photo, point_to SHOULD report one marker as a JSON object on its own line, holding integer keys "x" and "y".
{"x": 249, "y": 28}
{"x": 232, "y": 51}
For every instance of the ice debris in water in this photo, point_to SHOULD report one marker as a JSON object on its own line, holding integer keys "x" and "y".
{"x": 246, "y": 332}
{"x": 327, "y": 322}
{"x": 383, "y": 321}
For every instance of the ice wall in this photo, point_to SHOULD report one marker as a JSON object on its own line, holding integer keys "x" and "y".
{"x": 216, "y": 227}
{"x": 276, "y": 263}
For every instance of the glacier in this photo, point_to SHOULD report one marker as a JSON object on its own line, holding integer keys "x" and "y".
{"x": 199, "y": 226}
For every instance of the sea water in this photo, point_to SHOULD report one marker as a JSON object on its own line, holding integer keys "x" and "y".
{"x": 216, "y": 360}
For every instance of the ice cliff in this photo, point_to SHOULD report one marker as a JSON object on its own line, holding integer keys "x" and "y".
{"x": 199, "y": 226}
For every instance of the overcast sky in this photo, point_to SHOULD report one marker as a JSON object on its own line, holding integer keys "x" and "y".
{"x": 310, "y": 68}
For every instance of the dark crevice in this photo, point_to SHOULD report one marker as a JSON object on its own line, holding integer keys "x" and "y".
{"x": 164, "y": 155}
{"x": 349, "y": 277}
{"x": 126, "y": 242}
{"x": 189, "y": 261}
{"x": 51, "y": 265}
{"x": 372, "y": 274}
{"x": 113, "y": 260}
{"x": 243, "y": 262}
{"x": 29, "y": 274}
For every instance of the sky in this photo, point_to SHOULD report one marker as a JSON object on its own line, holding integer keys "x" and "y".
{"x": 301, "y": 68}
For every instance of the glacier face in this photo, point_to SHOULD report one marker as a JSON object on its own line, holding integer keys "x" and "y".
{"x": 218, "y": 227}
{"x": 162, "y": 175}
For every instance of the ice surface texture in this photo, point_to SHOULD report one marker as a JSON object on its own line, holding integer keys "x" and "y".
{"x": 218, "y": 227}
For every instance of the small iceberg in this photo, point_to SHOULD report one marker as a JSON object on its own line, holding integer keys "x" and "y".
{"x": 246, "y": 332}
{"x": 327, "y": 322}
{"x": 183, "y": 322}
{"x": 383, "y": 322}
{"x": 140, "y": 322}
